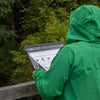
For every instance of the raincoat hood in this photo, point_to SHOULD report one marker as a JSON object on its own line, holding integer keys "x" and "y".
{"x": 84, "y": 24}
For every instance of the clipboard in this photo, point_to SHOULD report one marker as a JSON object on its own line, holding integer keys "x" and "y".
{"x": 41, "y": 55}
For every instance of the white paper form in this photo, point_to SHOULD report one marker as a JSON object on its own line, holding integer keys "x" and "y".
{"x": 44, "y": 58}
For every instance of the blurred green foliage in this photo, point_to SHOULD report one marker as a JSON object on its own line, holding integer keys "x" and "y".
{"x": 5, "y": 25}
{"x": 36, "y": 21}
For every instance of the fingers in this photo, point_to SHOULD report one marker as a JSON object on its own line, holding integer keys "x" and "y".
{"x": 33, "y": 75}
{"x": 33, "y": 72}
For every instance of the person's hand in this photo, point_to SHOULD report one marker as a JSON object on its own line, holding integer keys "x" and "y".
{"x": 33, "y": 75}
{"x": 33, "y": 72}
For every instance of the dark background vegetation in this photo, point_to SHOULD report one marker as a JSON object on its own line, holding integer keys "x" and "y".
{"x": 28, "y": 22}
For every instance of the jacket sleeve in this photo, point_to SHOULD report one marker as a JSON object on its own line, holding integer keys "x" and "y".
{"x": 51, "y": 83}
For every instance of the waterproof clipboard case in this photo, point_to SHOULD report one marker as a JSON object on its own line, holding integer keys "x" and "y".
{"x": 41, "y": 55}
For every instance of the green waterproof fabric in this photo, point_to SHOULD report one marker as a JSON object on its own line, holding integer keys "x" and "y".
{"x": 75, "y": 71}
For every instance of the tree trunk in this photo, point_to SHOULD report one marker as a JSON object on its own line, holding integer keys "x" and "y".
{"x": 12, "y": 21}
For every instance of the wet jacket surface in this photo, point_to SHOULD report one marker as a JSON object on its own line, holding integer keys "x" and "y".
{"x": 75, "y": 71}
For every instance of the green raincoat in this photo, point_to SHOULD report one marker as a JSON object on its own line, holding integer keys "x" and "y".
{"x": 75, "y": 71}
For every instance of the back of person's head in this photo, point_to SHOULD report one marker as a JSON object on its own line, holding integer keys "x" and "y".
{"x": 84, "y": 24}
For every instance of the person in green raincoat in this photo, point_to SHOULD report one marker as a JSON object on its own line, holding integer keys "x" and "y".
{"x": 74, "y": 73}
